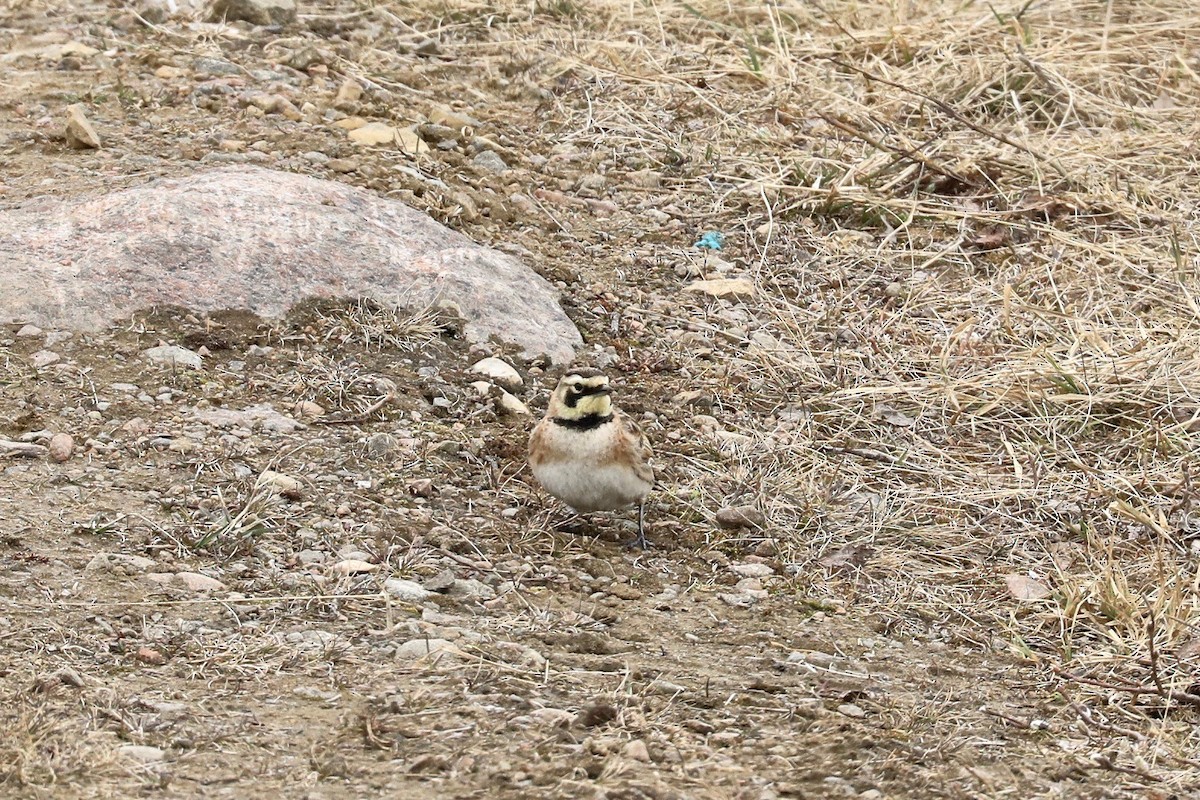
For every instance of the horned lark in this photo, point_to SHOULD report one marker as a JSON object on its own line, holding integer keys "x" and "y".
{"x": 588, "y": 454}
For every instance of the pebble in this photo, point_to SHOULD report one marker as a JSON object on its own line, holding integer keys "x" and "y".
{"x": 196, "y": 582}
{"x": 752, "y": 570}
{"x": 256, "y": 12}
{"x": 310, "y": 557}
{"x": 489, "y": 161}
{"x": 142, "y": 753}
{"x": 741, "y": 517}
{"x": 148, "y": 655}
{"x": 548, "y": 717}
{"x": 734, "y": 288}
{"x": 62, "y": 445}
{"x": 646, "y": 178}
{"x": 173, "y": 355}
{"x": 119, "y": 563}
{"x": 353, "y": 566}
{"x": 499, "y": 371}
{"x": 343, "y": 165}
{"x": 443, "y": 115}
{"x": 851, "y": 710}
{"x": 636, "y": 750}
{"x": 29, "y": 331}
{"x": 405, "y": 590}
{"x": 433, "y": 649}
{"x": 380, "y": 445}
{"x": 307, "y": 410}
{"x": 373, "y": 133}
{"x": 511, "y": 405}
{"x": 348, "y": 95}
{"x": 410, "y": 142}
{"x": 471, "y": 589}
{"x": 740, "y": 599}
{"x": 79, "y": 131}
{"x": 44, "y": 358}
{"x": 285, "y": 485}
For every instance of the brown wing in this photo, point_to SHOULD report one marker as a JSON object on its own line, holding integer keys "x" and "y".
{"x": 642, "y": 455}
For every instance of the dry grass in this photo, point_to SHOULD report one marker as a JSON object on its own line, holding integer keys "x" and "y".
{"x": 975, "y": 353}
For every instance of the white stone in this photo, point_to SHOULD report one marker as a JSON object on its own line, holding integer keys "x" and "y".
{"x": 432, "y": 649}
{"x": 142, "y": 753}
{"x": 406, "y": 591}
{"x": 173, "y": 355}
{"x": 499, "y": 371}
{"x": 511, "y": 405}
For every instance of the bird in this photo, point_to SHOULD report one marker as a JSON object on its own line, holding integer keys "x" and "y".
{"x": 588, "y": 453}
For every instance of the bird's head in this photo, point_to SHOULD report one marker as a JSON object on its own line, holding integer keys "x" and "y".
{"x": 581, "y": 393}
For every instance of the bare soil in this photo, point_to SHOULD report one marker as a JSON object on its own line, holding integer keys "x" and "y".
{"x": 937, "y": 397}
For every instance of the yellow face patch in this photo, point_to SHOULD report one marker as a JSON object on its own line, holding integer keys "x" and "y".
{"x": 581, "y": 396}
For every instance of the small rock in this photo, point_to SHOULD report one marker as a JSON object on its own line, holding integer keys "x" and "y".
{"x": 353, "y": 566}
{"x": 62, "y": 445}
{"x": 142, "y": 754}
{"x": 550, "y": 717}
{"x": 499, "y": 371}
{"x": 286, "y": 485}
{"x": 406, "y": 591}
{"x": 256, "y": 12}
{"x": 421, "y": 487}
{"x": 196, "y": 582}
{"x": 511, "y": 405}
{"x": 381, "y": 445}
{"x": 637, "y": 751}
{"x": 482, "y": 388}
{"x": 343, "y": 165}
{"x": 438, "y": 135}
{"x": 148, "y": 655}
{"x": 44, "y": 358}
{"x": 444, "y": 115}
{"x": 427, "y": 48}
{"x": 410, "y": 142}
{"x": 739, "y": 599}
{"x": 741, "y": 517}
{"x": 373, "y": 133}
{"x": 307, "y": 410}
{"x": 599, "y": 713}
{"x": 752, "y": 570}
{"x": 309, "y": 557}
{"x": 29, "y": 331}
{"x": 1025, "y": 588}
{"x": 442, "y": 582}
{"x": 79, "y": 131}
{"x": 119, "y": 563}
{"x": 432, "y": 649}
{"x": 736, "y": 288}
{"x": 489, "y": 161}
{"x": 173, "y": 355}
{"x": 472, "y": 589}
{"x": 349, "y": 93}
{"x": 851, "y": 710}
{"x": 646, "y": 179}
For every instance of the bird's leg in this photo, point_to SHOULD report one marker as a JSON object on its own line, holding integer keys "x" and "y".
{"x": 640, "y": 542}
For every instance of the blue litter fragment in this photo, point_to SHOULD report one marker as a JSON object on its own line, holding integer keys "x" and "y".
{"x": 712, "y": 240}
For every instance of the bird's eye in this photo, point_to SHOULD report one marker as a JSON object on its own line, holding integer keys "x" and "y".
{"x": 577, "y": 388}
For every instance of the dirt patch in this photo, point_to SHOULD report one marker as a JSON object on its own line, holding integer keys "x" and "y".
{"x": 954, "y": 377}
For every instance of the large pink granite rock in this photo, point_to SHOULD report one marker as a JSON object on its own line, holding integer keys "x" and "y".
{"x": 256, "y": 239}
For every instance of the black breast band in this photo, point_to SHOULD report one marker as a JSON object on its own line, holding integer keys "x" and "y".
{"x": 584, "y": 423}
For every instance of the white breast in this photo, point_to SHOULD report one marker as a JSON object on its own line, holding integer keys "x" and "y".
{"x": 573, "y": 469}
